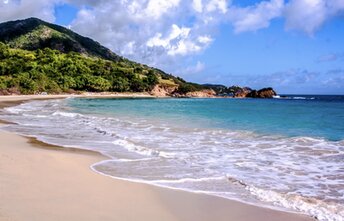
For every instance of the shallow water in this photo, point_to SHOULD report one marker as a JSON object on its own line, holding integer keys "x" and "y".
{"x": 287, "y": 153}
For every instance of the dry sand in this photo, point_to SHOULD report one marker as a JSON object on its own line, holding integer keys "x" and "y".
{"x": 40, "y": 182}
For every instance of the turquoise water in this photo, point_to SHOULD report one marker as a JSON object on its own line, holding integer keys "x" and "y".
{"x": 321, "y": 118}
{"x": 285, "y": 153}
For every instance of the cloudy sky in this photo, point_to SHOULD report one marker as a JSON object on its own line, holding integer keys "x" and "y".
{"x": 296, "y": 46}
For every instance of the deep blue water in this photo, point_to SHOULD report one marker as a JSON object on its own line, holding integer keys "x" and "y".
{"x": 310, "y": 116}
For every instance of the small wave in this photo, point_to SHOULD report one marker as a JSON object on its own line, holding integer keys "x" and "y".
{"x": 126, "y": 160}
{"x": 14, "y": 110}
{"x": 299, "y": 98}
{"x": 66, "y": 114}
{"x": 186, "y": 180}
{"x": 293, "y": 98}
{"x": 316, "y": 208}
{"x": 36, "y": 115}
{"x": 132, "y": 147}
{"x": 303, "y": 98}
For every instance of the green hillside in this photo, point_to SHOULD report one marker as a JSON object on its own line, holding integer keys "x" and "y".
{"x": 36, "y": 56}
{"x": 33, "y": 34}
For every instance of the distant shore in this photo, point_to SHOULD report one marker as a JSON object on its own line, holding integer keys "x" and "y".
{"x": 44, "y": 182}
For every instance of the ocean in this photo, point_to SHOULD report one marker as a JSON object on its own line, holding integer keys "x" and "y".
{"x": 285, "y": 153}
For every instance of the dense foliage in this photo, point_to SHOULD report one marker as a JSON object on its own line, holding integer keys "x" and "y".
{"x": 54, "y": 72}
{"x": 36, "y": 56}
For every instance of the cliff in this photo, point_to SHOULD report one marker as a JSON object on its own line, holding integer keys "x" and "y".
{"x": 163, "y": 90}
{"x": 172, "y": 91}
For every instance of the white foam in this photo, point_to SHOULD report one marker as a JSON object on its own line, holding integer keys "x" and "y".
{"x": 185, "y": 180}
{"x": 124, "y": 160}
{"x": 196, "y": 158}
{"x": 14, "y": 110}
{"x": 66, "y": 114}
{"x": 130, "y": 146}
{"x": 320, "y": 210}
{"x": 299, "y": 98}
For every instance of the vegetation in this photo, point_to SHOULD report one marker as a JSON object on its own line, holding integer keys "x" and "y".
{"x": 36, "y": 56}
{"x": 54, "y": 72}
{"x": 33, "y": 34}
{"x": 189, "y": 87}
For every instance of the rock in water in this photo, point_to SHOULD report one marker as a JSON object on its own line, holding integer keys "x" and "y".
{"x": 242, "y": 92}
{"x": 262, "y": 93}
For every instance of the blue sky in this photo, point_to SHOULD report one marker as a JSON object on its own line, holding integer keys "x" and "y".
{"x": 295, "y": 46}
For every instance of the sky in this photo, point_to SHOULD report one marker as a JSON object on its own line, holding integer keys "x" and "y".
{"x": 294, "y": 46}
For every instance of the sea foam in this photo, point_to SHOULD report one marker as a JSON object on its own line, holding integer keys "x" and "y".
{"x": 300, "y": 173}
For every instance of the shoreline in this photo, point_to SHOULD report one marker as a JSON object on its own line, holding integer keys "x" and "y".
{"x": 138, "y": 200}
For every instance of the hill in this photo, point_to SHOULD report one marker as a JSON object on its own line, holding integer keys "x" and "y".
{"x": 36, "y": 56}
{"x": 33, "y": 34}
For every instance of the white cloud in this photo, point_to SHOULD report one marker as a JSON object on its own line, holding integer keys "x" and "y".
{"x": 253, "y": 18}
{"x": 215, "y": 5}
{"x": 129, "y": 48}
{"x": 177, "y": 42}
{"x": 298, "y": 81}
{"x": 334, "y": 78}
{"x": 197, "y": 5}
{"x": 164, "y": 32}
{"x": 155, "y": 32}
{"x": 156, "y": 8}
{"x": 330, "y": 57}
{"x": 309, "y": 15}
{"x": 305, "y": 15}
{"x": 205, "y": 39}
{"x": 175, "y": 34}
{"x": 302, "y": 15}
{"x": 193, "y": 69}
{"x": 21, "y": 9}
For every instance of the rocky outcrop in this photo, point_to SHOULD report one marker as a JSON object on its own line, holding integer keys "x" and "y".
{"x": 172, "y": 91}
{"x": 263, "y": 93}
{"x": 242, "y": 92}
{"x": 238, "y": 92}
{"x": 203, "y": 93}
{"x": 218, "y": 88}
{"x": 163, "y": 91}
{"x": 206, "y": 93}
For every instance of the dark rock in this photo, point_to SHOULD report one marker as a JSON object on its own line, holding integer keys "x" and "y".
{"x": 242, "y": 92}
{"x": 262, "y": 93}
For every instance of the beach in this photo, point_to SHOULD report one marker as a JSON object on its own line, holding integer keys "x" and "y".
{"x": 44, "y": 182}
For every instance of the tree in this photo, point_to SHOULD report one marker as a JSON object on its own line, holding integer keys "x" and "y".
{"x": 4, "y": 80}
{"x": 151, "y": 80}
{"x": 66, "y": 82}
{"x": 120, "y": 84}
{"x": 26, "y": 84}
{"x": 137, "y": 84}
{"x": 96, "y": 83}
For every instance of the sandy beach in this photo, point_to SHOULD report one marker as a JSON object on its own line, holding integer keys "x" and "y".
{"x": 43, "y": 182}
